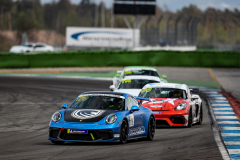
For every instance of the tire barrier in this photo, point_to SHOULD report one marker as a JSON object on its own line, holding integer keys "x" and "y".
{"x": 229, "y": 59}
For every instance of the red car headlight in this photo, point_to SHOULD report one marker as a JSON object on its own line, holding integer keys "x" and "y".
{"x": 181, "y": 106}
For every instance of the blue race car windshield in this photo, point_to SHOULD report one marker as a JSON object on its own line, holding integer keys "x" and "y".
{"x": 98, "y": 102}
{"x": 135, "y": 83}
{"x": 141, "y": 72}
{"x": 163, "y": 93}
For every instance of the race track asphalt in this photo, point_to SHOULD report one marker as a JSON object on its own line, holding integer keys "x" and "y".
{"x": 27, "y": 104}
{"x": 229, "y": 79}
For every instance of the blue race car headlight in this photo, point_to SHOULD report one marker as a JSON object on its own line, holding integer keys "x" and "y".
{"x": 56, "y": 117}
{"x": 181, "y": 106}
{"x": 111, "y": 119}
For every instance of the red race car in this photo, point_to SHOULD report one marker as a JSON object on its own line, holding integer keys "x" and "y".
{"x": 173, "y": 104}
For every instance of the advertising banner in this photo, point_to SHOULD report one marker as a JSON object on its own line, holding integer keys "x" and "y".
{"x": 102, "y": 37}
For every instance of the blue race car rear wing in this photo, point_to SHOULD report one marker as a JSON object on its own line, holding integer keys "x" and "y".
{"x": 142, "y": 98}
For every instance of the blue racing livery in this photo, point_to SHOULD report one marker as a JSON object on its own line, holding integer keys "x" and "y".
{"x": 102, "y": 117}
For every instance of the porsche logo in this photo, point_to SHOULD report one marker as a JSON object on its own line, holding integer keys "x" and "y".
{"x": 86, "y": 113}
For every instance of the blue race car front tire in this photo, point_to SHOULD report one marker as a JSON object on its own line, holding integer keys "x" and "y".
{"x": 124, "y": 132}
{"x": 151, "y": 128}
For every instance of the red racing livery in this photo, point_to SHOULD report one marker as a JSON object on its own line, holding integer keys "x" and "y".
{"x": 172, "y": 104}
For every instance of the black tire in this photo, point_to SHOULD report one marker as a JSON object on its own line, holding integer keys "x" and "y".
{"x": 190, "y": 119}
{"x": 151, "y": 128}
{"x": 124, "y": 132}
{"x": 57, "y": 142}
{"x": 201, "y": 116}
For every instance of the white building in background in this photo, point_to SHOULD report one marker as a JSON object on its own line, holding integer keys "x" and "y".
{"x": 106, "y": 38}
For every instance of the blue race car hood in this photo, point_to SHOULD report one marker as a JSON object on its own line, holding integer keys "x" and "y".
{"x": 86, "y": 115}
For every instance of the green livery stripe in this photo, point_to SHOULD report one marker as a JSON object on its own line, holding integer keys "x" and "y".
{"x": 92, "y": 136}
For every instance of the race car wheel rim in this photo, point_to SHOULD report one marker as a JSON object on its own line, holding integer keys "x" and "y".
{"x": 151, "y": 127}
{"x": 124, "y": 132}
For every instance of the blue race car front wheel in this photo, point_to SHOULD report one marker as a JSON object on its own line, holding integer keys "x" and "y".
{"x": 124, "y": 132}
{"x": 151, "y": 128}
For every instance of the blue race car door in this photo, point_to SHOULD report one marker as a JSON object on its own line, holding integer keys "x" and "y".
{"x": 136, "y": 125}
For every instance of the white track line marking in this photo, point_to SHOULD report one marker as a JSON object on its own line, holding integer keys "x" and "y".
{"x": 222, "y": 109}
{"x": 230, "y": 128}
{"x": 224, "y": 112}
{"x": 228, "y": 122}
{"x": 213, "y": 101}
{"x": 220, "y": 145}
{"x": 232, "y": 142}
{"x": 220, "y": 105}
{"x": 233, "y": 151}
{"x": 226, "y": 117}
{"x": 217, "y": 98}
{"x": 230, "y": 134}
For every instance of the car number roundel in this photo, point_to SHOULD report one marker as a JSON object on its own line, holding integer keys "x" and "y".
{"x": 86, "y": 113}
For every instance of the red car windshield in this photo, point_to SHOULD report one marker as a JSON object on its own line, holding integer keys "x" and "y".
{"x": 163, "y": 93}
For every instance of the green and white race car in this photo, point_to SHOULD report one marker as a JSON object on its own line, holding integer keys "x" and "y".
{"x": 135, "y": 71}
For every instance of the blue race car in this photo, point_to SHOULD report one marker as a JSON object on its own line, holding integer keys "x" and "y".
{"x": 102, "y": 117}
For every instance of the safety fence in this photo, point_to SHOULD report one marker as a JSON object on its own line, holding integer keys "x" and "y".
{"x": 122, "y": 58}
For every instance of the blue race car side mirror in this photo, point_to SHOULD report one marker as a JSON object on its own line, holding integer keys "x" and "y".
{"x": 65, "y": 106}
{"x": 134, "y": 108}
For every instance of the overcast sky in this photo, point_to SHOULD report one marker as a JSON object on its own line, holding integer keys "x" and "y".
{"x": 174, "y": 5}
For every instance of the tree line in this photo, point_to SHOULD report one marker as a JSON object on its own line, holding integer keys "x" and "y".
{"x": 214, "y": 26}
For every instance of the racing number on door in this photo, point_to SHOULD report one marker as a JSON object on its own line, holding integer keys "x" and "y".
{"x": 135, "y": 117}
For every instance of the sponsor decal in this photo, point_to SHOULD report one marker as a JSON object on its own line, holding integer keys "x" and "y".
{"x": 126, "y": 81}
{"x": 76, "y": 35}
{"x": 162, "y": 101}
{"x": 146, "y": 90}
{"x": 101, "y": 123}
{"x": 116, "y": 135}
{"x": 82, "y": 98}
{"x": 178, "y": 86}
{"x": 157, "y": 106}
{"x": 128, "y": 72}
{"x": 131, "y": 120}
{"x": 77, "y": 131}
{"x": 137, "y": 130}
{"x": 156, "y": 112}
{"x": 86, "y": 113}
{"x": 169, "y": 101}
